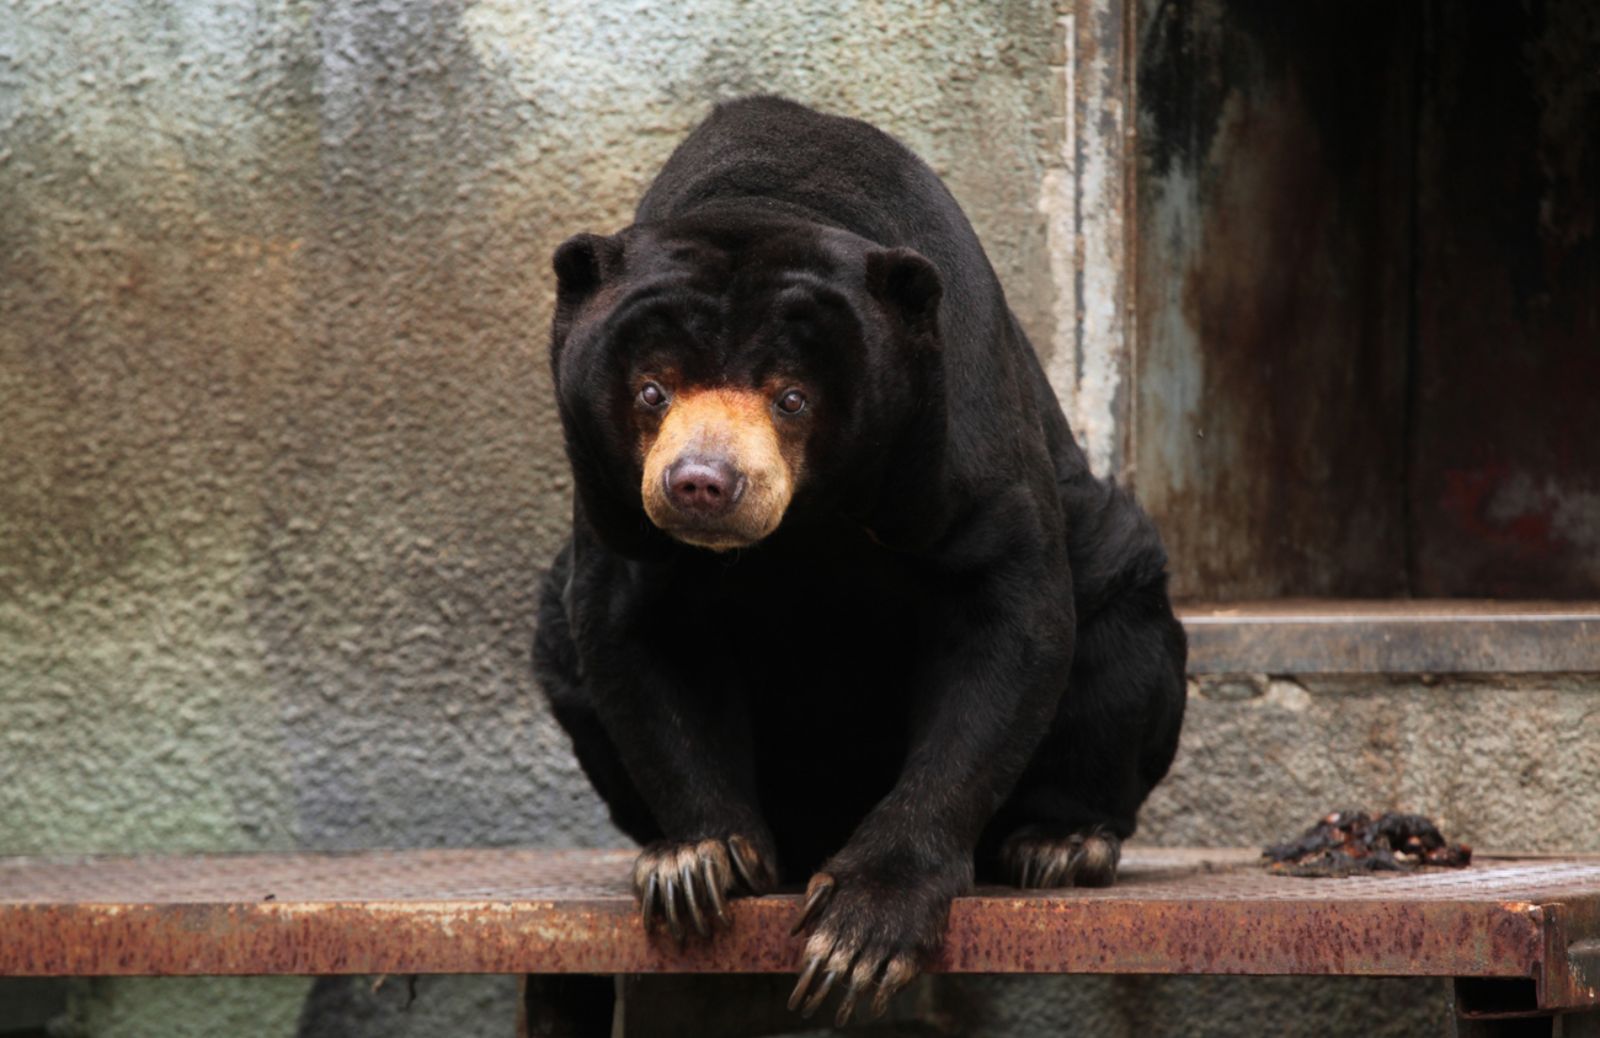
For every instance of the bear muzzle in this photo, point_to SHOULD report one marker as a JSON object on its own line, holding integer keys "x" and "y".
{"x": 714, "y": 474}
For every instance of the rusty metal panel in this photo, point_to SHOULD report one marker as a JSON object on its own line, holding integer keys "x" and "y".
{"x": 509, "y": 911}
{"x": 1447, "y": 636}
{"x": 1506, "y": 495}
{"x": 1572, "y": 955}
{"x": 1275, "y": 162}
{"x": 1369, "y": 297}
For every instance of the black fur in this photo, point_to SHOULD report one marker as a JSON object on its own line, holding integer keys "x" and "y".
{"x": 957, "y": 634}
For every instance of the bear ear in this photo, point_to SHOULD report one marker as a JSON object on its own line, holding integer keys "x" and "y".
{"x": 906, "y": 282}
{"x": 581, "y": 263}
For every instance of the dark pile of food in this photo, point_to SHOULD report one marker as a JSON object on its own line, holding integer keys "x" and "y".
{"x": 1347, "y": 842}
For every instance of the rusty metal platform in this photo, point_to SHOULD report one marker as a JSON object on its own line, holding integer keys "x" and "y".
{"x": 510, "y": 911}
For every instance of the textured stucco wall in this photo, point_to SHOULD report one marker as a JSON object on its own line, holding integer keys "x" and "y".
{"x": 278, "y": 466}
{"x": 281, "y": 463}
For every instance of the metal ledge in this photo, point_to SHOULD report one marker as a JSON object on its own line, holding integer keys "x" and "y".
{"x": 1440, "y": 636}
{"x": 553, "y": 912}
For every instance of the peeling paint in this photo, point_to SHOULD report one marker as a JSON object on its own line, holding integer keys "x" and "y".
{"x": 1088, "y": 208}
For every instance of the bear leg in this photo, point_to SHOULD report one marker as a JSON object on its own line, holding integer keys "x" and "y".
{"x": 555, "y": 661}
{"x": 1113, "y": 738}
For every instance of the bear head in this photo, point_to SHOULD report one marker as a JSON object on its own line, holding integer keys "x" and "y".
{"x": 719, "y": 376}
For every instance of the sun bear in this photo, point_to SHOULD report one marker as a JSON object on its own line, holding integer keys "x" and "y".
{"x": 843, "y": 603}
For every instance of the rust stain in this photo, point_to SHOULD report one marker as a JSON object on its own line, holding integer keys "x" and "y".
{"x": 1572, "y": 952}
{"x": 1272, "y": 304}
{"x": 1368, "y": 308}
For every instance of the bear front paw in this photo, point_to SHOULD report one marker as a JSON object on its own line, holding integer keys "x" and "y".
{"x": 869, "y": 937}
{"x": 1040, "y": 857}
{"x": 678, "y": 880}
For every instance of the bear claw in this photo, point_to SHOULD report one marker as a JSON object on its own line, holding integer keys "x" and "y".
{"x": 818, "y": 891}
{"x": 694, "y": 879}
{"x": 863, "y": 942}
{"x": 867, "y": 970}
{"x": 1036, "y": 858}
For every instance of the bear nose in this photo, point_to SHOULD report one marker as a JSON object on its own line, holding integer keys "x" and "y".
{"x": 706, "y": 487}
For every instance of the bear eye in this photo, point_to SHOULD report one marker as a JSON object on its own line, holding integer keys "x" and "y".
{"x": 792, "y": 402}
{"x": 652, "y": 395}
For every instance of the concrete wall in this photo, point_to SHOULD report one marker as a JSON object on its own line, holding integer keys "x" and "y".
{"x": 280, "y": 467}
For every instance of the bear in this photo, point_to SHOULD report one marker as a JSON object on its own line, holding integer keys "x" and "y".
{"x": 842, "y": 604}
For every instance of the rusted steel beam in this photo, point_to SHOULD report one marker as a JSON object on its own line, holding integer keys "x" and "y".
{"x": 508, "y": 911}
{"x": 1572, "y": 955}
{"x": 1393, "y": 637}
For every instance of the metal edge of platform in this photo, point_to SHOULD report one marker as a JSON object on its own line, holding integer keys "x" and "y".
{"x": 987, "y": 935}
{"x": 1398, "y": 637}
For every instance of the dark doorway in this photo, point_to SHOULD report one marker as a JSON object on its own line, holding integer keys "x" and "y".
{"x": 1368, "y": 282}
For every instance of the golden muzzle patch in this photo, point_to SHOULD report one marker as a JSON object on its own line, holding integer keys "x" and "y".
{"x": 716, "y": 473}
